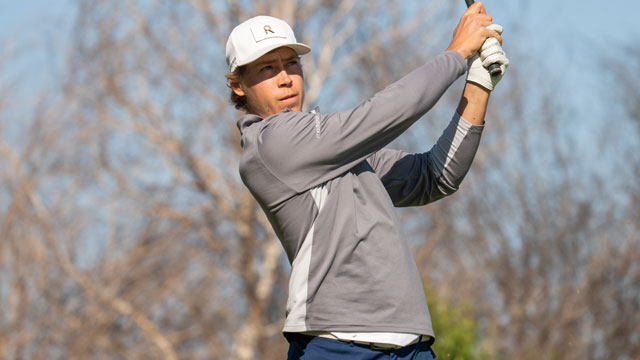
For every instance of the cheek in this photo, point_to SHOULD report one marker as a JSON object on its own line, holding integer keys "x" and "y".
{"x": 268, "y": 88}
{"x": 260, "y": 98}
{"x": 299, "y": 83}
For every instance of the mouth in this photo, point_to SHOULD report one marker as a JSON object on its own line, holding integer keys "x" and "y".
{"x": 290, "y": 98}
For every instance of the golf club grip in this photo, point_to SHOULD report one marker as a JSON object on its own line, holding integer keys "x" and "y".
{"x": 494, "y": 69}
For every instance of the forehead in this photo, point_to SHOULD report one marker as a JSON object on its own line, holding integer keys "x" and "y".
{"x": 276, "y": 54}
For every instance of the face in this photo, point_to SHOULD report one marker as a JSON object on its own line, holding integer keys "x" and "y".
{"x": 272, "y": 83}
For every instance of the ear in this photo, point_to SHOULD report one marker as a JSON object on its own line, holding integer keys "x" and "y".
{"x": 237, "y": 88}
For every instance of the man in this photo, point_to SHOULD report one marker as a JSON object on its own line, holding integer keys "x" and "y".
{"x": 328, "y": 186}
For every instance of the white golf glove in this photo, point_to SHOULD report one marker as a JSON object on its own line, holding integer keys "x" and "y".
{"x": 490, "y": 53}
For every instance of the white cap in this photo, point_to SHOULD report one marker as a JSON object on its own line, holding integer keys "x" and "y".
{"x": 256, "y": 37}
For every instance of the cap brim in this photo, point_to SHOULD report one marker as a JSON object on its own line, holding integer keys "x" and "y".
{"x": 299, "y": 48}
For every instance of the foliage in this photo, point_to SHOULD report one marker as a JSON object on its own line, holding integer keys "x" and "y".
{"x": 457, "y": 330}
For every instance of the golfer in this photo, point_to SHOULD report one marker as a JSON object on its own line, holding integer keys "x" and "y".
{"x": 329, "y": 186}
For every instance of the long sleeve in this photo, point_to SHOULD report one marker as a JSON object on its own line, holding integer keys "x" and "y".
{"x": 306, "y": 149}
{"x": 418, "y": 179}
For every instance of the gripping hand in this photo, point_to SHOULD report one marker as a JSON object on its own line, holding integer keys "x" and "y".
{"x": 490, "y": 53}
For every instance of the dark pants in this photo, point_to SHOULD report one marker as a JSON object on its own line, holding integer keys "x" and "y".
{"x": 306, "y": 347}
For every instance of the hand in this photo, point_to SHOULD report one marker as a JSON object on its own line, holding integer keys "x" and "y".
{"x": 490, "y": 53}
{"x": 472, "y": 31}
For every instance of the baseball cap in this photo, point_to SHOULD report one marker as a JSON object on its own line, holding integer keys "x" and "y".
{"x": 256, "y": 37}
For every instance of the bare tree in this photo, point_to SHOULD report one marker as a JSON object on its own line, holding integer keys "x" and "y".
{"x": 126, "y": 231}
{"x": 126, "y": 192}
{"x": 544, "y": 249}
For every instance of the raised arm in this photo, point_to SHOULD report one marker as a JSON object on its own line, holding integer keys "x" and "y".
{"x": 322, "y": 146}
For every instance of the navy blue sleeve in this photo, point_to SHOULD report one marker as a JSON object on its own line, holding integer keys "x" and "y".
{"x": 418, "y": 179}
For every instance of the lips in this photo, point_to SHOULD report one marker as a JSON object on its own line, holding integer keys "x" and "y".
{"x": 290, "y": 96}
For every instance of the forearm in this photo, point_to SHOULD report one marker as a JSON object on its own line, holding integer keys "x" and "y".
{"x": 473, "y": 104}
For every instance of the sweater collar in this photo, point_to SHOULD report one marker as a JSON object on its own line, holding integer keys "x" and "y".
{"x": 250, "y": 119}
{"x": 247, "y": 120}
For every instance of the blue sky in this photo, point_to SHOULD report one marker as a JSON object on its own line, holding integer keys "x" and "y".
{"x": 23, "y": 19}
{"x": 557, "y": 30}
{"x": 30, "y": 25}
{"x": 601, "y": 19}
{"x": 563, "y": 21}
{"x": 565, "y": 36}
{"x": 571, "y": 20}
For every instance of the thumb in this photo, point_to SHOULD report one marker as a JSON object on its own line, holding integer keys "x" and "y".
{"x": 495, "y": 27}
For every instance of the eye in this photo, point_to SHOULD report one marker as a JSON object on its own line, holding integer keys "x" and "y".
{"x": 292, "y": 62}
{"x": 266, "y": 68}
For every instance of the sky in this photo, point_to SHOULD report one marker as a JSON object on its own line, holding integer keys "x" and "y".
{"x": 562, "y": 35}
{"x": 33, "y": 24}
{"x": 570, "y": 20}
{"x": 565, "y": 21}
{"x": 597, "y": 20}
{"x": 565, "y": 36}
{"x": 558, "y": 30}
{"x": 27, "y": 19}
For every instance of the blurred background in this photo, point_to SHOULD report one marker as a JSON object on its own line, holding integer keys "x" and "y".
{"x": 126, "y": 233}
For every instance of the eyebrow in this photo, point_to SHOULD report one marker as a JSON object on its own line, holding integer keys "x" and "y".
{"x": 287, "y": 59}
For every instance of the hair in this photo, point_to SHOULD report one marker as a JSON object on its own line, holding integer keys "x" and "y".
{"x": 240, "y": 102}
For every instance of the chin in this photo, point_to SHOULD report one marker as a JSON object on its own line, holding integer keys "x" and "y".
{"x": 296, "y": 106}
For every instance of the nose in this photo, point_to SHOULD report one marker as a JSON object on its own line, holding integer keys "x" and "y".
{"x": 284, "y": 80}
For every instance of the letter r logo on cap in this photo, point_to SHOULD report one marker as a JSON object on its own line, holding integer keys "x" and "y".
{"x": 256, "y": 37}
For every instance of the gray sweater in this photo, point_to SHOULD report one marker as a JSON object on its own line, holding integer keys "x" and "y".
{"x": 328, "y": 186}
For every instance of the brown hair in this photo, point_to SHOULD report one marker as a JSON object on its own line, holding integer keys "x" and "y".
{"x": 240, "y": 102}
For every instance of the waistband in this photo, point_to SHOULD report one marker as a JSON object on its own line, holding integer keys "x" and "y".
{"x": 307, "y": 336}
